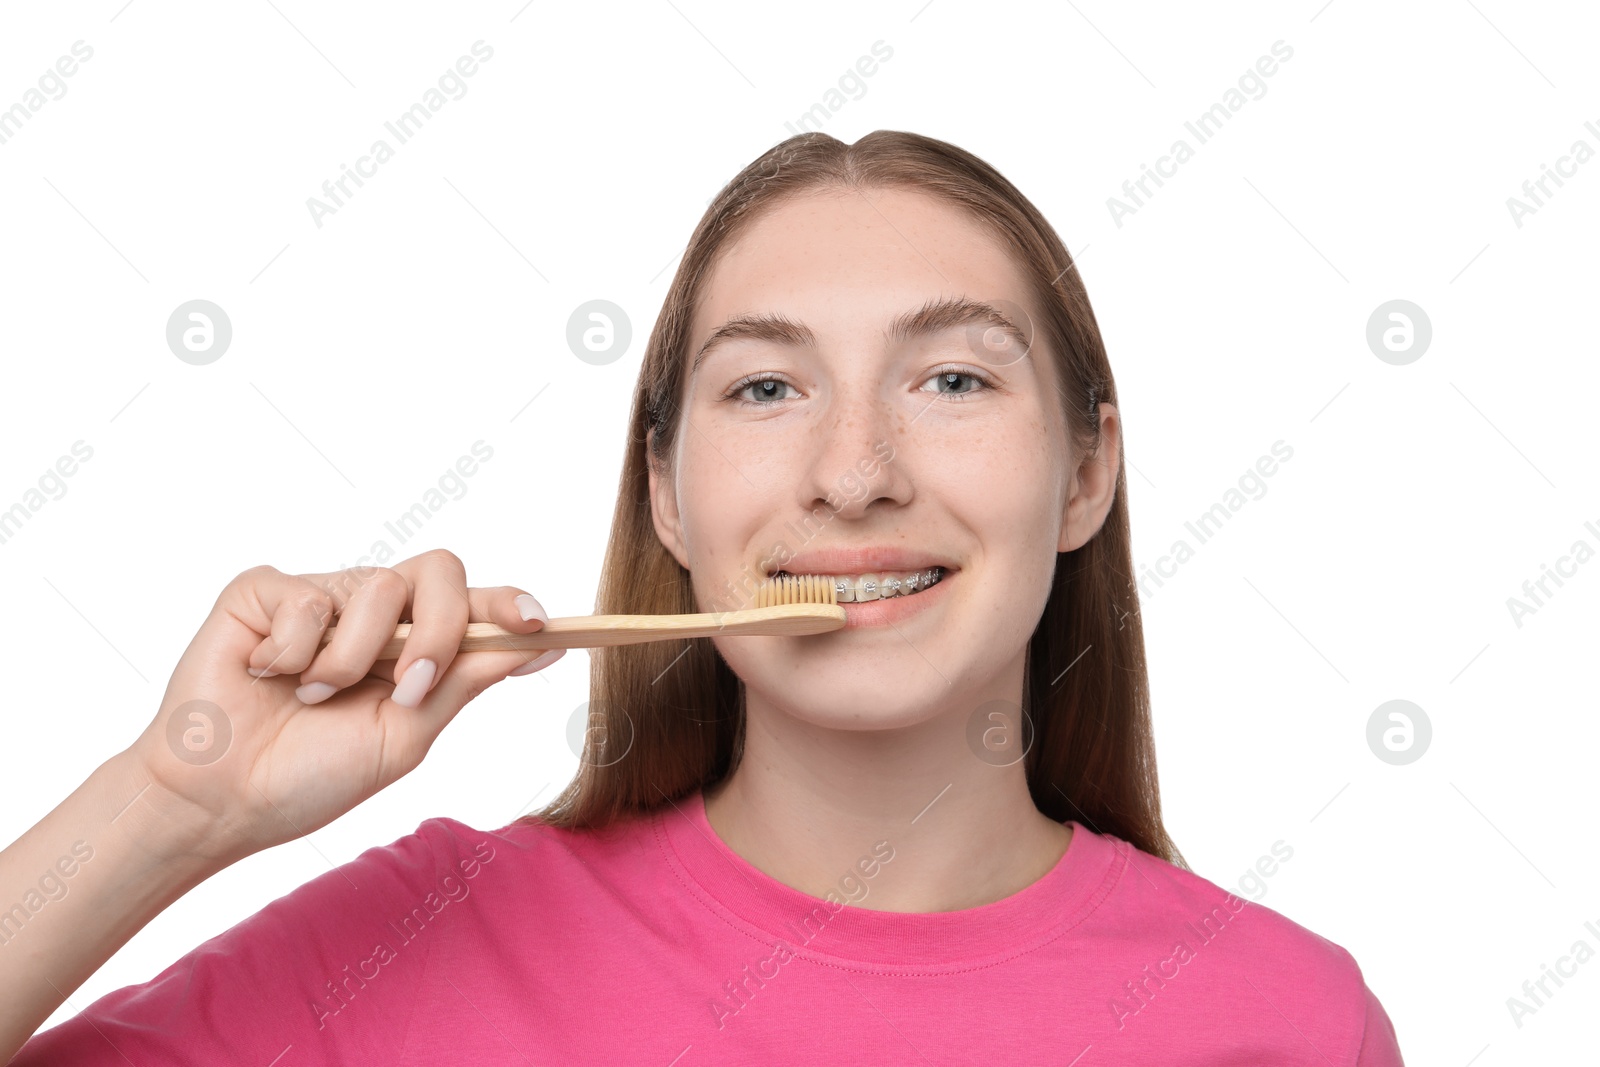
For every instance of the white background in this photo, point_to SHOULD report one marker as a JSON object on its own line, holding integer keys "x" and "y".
{"x": 430, "y": 312}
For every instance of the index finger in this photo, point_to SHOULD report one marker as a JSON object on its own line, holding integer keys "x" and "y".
{"x": 441, "y": 605}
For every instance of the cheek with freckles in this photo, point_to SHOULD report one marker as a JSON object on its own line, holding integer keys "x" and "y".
{"x": 722, "y": 510}
{"x": 1032, "y": 492}
{"x": 1007, "y": 492}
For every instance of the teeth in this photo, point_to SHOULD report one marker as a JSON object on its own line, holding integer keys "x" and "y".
{"x": 859, "y": 588}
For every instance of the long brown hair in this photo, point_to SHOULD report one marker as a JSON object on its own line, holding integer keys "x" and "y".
{"x": 665, "y": 720}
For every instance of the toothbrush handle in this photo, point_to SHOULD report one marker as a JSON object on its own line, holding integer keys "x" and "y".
{"x": 596, "y": 631}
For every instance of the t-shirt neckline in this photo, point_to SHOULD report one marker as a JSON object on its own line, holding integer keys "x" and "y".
{"x": 883, "y": 941}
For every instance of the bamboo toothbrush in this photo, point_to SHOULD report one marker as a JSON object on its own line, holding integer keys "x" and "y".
{"x": 785, "y": 606}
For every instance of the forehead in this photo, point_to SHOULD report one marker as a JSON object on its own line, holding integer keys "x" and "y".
{"x": 870, "y": 253}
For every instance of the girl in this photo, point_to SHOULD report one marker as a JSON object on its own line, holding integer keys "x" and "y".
{"x": 931, "y": 836}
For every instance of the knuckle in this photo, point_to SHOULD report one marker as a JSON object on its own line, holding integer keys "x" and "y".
{"x": 388, "y": 584}
{"x": 251, "y": 574}
{"x": 350, "y": 580}
{"x": 444, "y": 557}
{"x": 312, "y": 601}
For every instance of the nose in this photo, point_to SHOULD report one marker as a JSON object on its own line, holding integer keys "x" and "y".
{"x": 856, "y": 460}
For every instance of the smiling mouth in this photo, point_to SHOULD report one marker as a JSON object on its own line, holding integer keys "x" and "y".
{"x": 884, "y": 585}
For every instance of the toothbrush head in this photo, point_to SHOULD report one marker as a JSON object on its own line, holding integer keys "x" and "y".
{"x": 796, "y": 589}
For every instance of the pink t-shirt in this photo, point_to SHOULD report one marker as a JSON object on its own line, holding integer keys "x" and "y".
{"x": 655, "y": 943}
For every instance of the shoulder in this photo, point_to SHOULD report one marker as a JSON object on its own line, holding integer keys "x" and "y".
{"x": 1265, "y": 957}
{"x": 333, "y": 965}
{"x": 524, "y": 853}
{"x": 1194, "y": 904}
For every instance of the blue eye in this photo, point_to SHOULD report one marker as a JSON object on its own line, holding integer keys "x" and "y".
{"x": 765, "y": 391}
{"x": 944, "y": 375}
{"x": 766, "y": 394}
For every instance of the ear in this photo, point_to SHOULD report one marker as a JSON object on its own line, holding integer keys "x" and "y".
{"x": 1092, "y": 488}
{"x": 664, "y": 506}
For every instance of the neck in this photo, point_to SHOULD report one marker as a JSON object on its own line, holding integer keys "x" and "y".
{"x": 807, "y": 803}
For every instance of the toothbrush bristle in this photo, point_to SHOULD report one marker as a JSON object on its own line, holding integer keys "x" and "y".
{"x": 796, "y": 589}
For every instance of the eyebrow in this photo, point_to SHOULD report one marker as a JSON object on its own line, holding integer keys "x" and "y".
{"x": 933, "y": 317}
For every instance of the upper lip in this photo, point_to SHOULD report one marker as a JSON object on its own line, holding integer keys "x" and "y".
{"x": 862, "y": 561}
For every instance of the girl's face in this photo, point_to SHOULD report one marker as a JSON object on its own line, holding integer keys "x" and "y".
{"x": 829, "y": 428}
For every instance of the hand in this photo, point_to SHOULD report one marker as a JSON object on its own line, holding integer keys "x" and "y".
{"x": 240, "y": 762}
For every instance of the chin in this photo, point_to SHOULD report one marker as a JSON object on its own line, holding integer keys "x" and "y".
{"x": 879, "y": 707}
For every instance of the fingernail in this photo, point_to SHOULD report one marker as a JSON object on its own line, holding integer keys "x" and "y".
{"x": 543, "y": 660}
{"x": 314, "y": 692}
{"x": 414, "y": 686}
{"x": 260, "y": 672}
{"x": 530, "y": 608}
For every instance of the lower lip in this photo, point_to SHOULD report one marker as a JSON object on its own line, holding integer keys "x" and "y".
{"x": 895, "y": 608}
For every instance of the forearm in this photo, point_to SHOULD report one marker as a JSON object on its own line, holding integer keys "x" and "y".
{"x": 79, "y": 884}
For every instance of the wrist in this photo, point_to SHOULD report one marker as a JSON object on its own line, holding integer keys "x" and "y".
{"x": 160, "y": 827}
